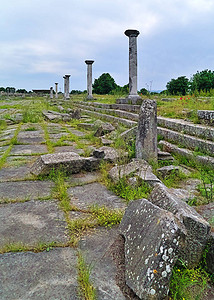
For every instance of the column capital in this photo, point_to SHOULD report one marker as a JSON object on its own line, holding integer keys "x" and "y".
{"x": 56, "y": 83}
{"x": 89, "y": 62}
{"x": 131, "y": 32}
{"x": 67, "y": 76}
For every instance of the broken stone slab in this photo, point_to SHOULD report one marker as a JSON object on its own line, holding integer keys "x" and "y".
{"x": 86, "y": 126}
{"x": 206, "y": 115}
{"x": 167, "y": 170}
{"x": 51, "y": 116}
{"x": 152, "y": 239}
{"x": 99, "y": 153}
{"x": 210, "y": 254}
{"x": 76, "y": 114}
{"x": 129, "y": 134}
{"x": 70, "y": 162}
{"x": 105, "y": 141}
{"x": 104, "y": 129}
{"x": 198, "y": 230}
{"x": 146, "y": 138}
{"x": 138, "y": 166}
{"x": 164, "y": 155}
{"x": 112, "y": 155}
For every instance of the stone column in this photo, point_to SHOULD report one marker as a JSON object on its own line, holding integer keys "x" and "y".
{"x": 66, "y": 86}
{"x": 51, "y": 92}
{"x": 132, "y": 34}
{"x": 56, "y": 90}
{"x": 89, "y": 78}
{"x": 146, "y": 138}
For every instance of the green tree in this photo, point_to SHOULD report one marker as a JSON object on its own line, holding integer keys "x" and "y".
{"x": 144, "y": 91}
{"x": 179, "y": 86}
{"x": 21, "y": 91}
{"x": 2, "y": 89}
{"x": 104, "y": 84}
{"x": 202, "y": 81}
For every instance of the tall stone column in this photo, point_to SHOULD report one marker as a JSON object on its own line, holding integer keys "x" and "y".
{"x": 132, "y": 34}
{"x": 66, "y": 86}
{"x": 51, "y": 92}
{"x": 56, "y": 90}
{"x": 89, "y": 78}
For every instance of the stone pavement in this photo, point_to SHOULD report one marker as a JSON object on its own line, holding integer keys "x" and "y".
{"x": 31, "y": 216}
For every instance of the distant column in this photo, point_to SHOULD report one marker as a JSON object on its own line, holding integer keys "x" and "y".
{"x": 56, "y": 90}
{"x": 51, "y": 93}
{"x": 132, "y": 34}
{"x": 66, "y": 87}
{"x": 89, "y": 78}
{"x": 66, "y": 92}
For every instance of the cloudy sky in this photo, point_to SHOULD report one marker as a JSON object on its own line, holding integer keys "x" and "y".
{"x": 42, "y": 40}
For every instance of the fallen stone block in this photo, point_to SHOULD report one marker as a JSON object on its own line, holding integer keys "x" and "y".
{"x": 152, "y": 240}
{"x": 198, "y": 230}
{"x": 139, "y": 167}
{"x": 167, "y": 170}
{"x": 69, "y": 162}
{"x": 164, "y": 155}
{"x": 112, "y": 155}
{"x": 104, "y": 129}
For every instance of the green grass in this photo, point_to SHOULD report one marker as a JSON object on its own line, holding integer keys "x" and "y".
{"x": 106, "y": 217}
{"x": 188, "y": 284}
{"x": 47, "y": 138}
{"x": 129, "y": 192}
{"x": 38, "y": 247}
{"x": 86, "y": 289}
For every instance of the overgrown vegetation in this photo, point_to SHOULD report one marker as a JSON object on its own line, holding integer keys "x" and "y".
{"x": 86, "y": 289}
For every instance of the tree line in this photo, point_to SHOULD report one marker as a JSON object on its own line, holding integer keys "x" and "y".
{"x": 200, "y": 82}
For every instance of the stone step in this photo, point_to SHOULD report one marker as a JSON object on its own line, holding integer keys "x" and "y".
{"x": 202, "y": 131}
{"x": 172, "y": 148}
{"x": 187, "y": 141}
{"x": 125, "y": 122}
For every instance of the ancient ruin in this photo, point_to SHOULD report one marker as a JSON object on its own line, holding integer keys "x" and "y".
{"x": 89, "y": 78}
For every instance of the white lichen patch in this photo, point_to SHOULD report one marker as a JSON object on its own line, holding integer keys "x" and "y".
{"x": 152, "y": 292}
{"x": 164, "y": 274}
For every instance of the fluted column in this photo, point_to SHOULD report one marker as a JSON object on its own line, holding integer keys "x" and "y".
{"x": 51, "y": 92}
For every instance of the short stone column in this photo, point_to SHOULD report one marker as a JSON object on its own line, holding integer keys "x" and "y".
{"x": 89, "y": 78}
{"x": 146, "y": 138}
{"x": 66, "y": 87}
{"x": 132, "y": 34}
{"x": 51, "y": 92}
{"x": 56, "y": 90}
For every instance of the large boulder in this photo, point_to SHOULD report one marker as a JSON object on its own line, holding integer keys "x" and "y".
{"x": 198, "y": 230}
{"x": 152, "y": 239}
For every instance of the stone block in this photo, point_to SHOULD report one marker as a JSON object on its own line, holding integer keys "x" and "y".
{"x": 198, "y": 230}
{"x": 104, "y": 129}
{"x": 146, "y": 139}
{"x": 69, "y": 161}
{"x": 152, "y": 238}
{"x": 210, "y": 255}
{"x": 138, "y": 166}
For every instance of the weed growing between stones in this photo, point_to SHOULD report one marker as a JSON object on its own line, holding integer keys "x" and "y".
{"x": 3, "y": 125}
{"x": 20, "y": 247}
{"x": 129, "y": 192}
{"x": 47, "y": 138}
{"x": 12, "y": 142}
{"x": 86, "y": 289}
{"x": 105, "y": 216}
{"x": 77, "y": 227}
{"x": 188, "y": 283}
{"x": 32, "y": 128}
{"x": 207, "y": 187}
{"x": 173, "y": 179}
{"x": 32, "y": 113}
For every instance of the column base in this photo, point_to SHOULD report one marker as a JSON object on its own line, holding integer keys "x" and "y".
{"x": 89, "y": 97}
{"x": 131, "y": 99}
